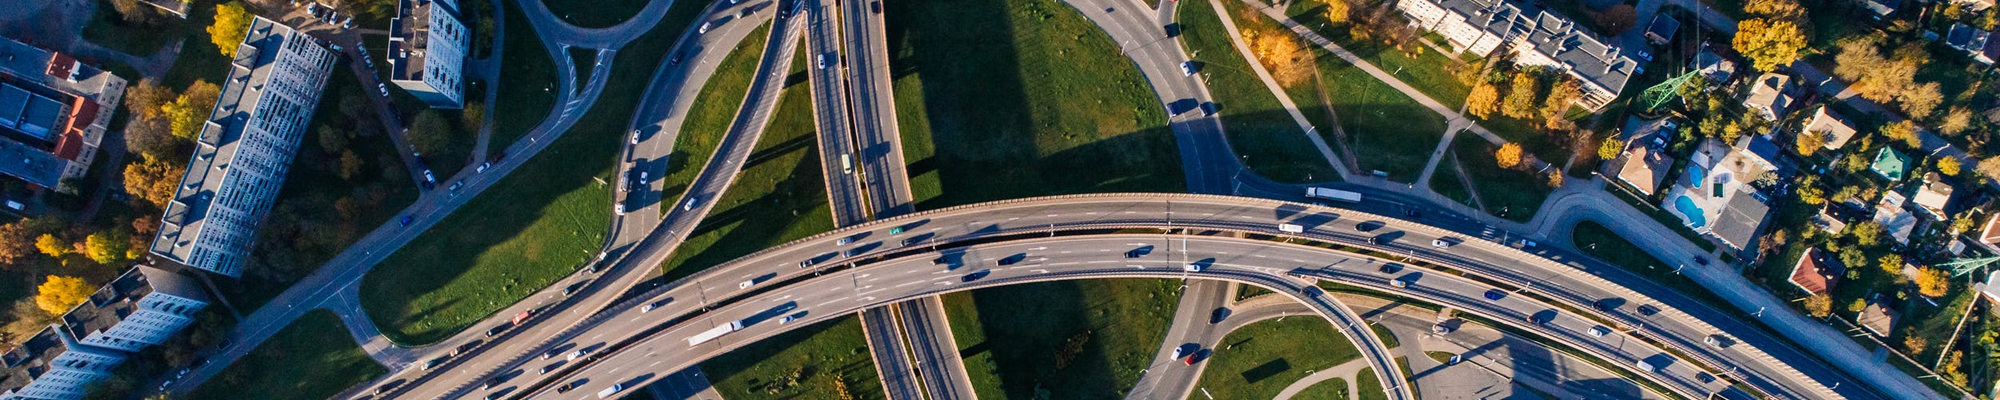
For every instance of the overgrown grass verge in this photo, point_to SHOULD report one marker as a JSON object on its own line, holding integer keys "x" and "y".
{"x": 1259, "y": 129}
{"x": 312, "y": 358}
{"x": 827, "y": 360}
{"x": 1260, "y": 359}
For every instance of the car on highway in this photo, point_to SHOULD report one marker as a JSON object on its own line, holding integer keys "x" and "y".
{"x": 1599, "y": 331}
{"x": 1399, "y": 283}
{"x": 705, "y": 26}
{"x": 1192, "y": 268}
{"x": 1718, "y": 340}
{"x": 1187, "y": 68}
{"x": 574, "y": 287}
{"x": 691, "y": 203}
{"x": 844, "y": 240}
{"x": 482, "y": 167}
{"x": 551, "y": 367}
{"x": 455, "y": 186}
{"x": 565, "y": 388}
{"x": 653, "y": 305}
{"x": 616, "y": 387}
{"x": 407, "y": 219}
{"x": 1389, "y": 268}
{"x": 1648, "y": 310}
{"x": 822, "y": 61}
{"x": 577, "y": 354}
{"x": 1207, "y": 108}
{"x": 434, "y": 363}
{"x": 1184, "y": 350}
{"x": 1441, "y": 243}
{"x": 618, "y": 207}
{"x": 1220, "y": 313}
{"x": 674, "y": 61}
{"x": 788, "y": 319}
{"x": 497, "y": 329}
{"x": 1495, "y": 294}
{"x": 746, "y": 284}
{"x": 912, "y": 241}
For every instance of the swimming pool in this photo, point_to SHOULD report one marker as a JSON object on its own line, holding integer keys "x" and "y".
{"x": 1694, "y": 176}
{"x": 1692, "y": 213}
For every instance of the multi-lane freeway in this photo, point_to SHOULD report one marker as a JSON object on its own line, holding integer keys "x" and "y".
{"x": 1661, "y": 317}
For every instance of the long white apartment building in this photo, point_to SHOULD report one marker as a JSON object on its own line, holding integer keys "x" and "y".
{"x": 244, "y": 150}
{"x": 53, "y": 366}
{"x": 143, "y": 307}
{"x": 1540, "y": 38}
{"x": 427, "y": 46}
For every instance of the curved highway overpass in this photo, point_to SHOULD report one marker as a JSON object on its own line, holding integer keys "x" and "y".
{"x": 1659, "y": 316}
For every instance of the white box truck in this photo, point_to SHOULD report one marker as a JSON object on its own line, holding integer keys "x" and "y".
{"x": 1335, "y": 195}
{"x": 607, "y": 392}
{"x": 1291, "y": 228}
{"x": 715, "y": 332}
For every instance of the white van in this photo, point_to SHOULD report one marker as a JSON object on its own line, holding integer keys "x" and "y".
{"x": 607, "y": 392}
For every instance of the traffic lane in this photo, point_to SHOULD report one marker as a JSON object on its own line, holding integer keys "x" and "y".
{"x": 1117, "y": 210}
{"x": 885, "y": 346}
{"x": 893, "y": 281}
{"x": 1162, "y": 378}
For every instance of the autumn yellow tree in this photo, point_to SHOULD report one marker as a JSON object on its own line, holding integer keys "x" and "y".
{"x": 1769, "y": 43}
{"x": 1610, "y": 148}
{"x": 1948, "y": 165}
{"x": 231, "y": 23}
{"x": 1508, "y": 156}
{"x": 1956, "y": 121}
{"x": 153, "y": 181}
{"x": 105, "y": 247}
{"x": 1282, "y": 55}
{"x": 60, "y": 293}
{"x": 1809, "y": 142}
{"x": 1520, "y": 102}
{"x": 1336, "y": 11}
{"x": 1933, "y": 282}
{"x": 51, "y": 245}
{"x": 1819, "y": 305}
{"x": 186, "y": 113}
{"x": 1905, "y": 131}
{"x": 1555, "y": 179}
{"x": 1484, "y": 101}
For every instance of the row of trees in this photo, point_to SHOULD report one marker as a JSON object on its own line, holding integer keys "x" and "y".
{"x": 1890, "y": 79}
{"x": 1532, "y": 93}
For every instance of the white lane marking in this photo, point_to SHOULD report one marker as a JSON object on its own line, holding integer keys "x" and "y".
{"x": 909, "y": 283}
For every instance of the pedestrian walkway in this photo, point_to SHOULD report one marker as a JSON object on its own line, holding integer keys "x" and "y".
{"x": 1271, "y": 84}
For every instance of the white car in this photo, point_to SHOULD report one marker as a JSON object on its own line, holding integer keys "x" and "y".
{"x": 1599, "y": 331}
{"x": 1187, "y": 68}
{"x": 691, "y": 204}
{"x": 705, "y": 26}
{"x": 746, "y": 284}
{"x": 788, "y": 319}
{"x": 1441, "y": 243}
{"x": 482, "y": 167}
{"x": 635, "y": 136}
{"x": 1192, "y": 268}
{"x": 822, "y": 61}
{"x": 620, "y": 208}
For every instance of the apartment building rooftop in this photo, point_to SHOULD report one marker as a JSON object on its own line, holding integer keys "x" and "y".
{"x": 114, "y": 301}
{"x": 53, "y": 110}
{"x": 409, "y": 38}
{"x": 30, "y": 359}
{"x": 1582, "y": 53}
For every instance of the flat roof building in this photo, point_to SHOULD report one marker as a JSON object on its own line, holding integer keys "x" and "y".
{"x": 53, "y": 366}
{"x": 143, "y": 307}
{"x": 53, "y": 112}
{"x": 427, "y": 47}
{"x": 244, "y": 149}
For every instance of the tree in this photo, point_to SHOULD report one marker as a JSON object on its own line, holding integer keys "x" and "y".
{"x": 1809, "y": 142}
{"x": 1905, "y": 131}
{"x": 1853, "y": 258}
{"x": 1508, "y": 156}
{"x": 1520, "y": 102}
{"x": 144, "y": 99}
{"x": 1933, "y": 282}
{"x": 232, "y": 22}
{"x": 1616, "y": 19}
{"x": 1561, "y": 93}
{"x": 1890, "y": 263}
{"x": 429, "y": 132}
{"x": 60, "y": 293}
{"x": 1281, "y": 54}
{"x": 1336, "y": 11}
{"x": 1866, "y": 233}
{"x": 1956, "y": 121}
{"x": 131, "y": 11}
{"x": 51, "y": 245}
{"x": 1779, "y": 9}
{"x": 1948, "y": 165}
{"x": 152, "y": 137}
{"x": 472, "y": 116}
{"x": 1989, "y": 167}
{"x": 153, "y": 181}
{"x": 106, "y": 247}
{"x": 1610, "y": 148}
{"x": 1919, "y": 101}
{"x": 14, "y": 243}
{"x": 1913, "y": 342}
{"x": 350, "y": 165}
{"x": 1555, "y": 179}
{"x": 1819, "y": 305}
{"x": 1963, "y": 223}
{"x": 1769, "y": 44}
{"x": 188, "y": 111}
{"x": 1484, "y": 101}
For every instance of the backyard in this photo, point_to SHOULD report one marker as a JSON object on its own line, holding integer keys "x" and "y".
{"x": 538, "y": 224}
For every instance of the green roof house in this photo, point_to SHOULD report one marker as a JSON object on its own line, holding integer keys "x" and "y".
{"x": 1891, "y": 164}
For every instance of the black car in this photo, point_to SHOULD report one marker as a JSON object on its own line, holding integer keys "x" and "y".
{"x": 1701, "y": 260}
{"x": 1390, "y": 268}
{"x": 875, "y": 6}
{"x": 1648, "y": 310}
{"x": 1220, "y": 313}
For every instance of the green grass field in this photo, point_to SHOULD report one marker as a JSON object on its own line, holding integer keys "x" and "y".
{"x": 708, "y": 119}
{"x": 1260, "y": 359}
{"x": 1013, "y": 98}
{"x": 527, "y": 81}
{"x": 828, "y": 360}
{"x": 594, "y": 13}
{"x": 1390, "y": 131}
{"x": 1369, "y": 387}
{"x": 108, "y": 28}
{"x": 1260, "y": 131}
{"x": 1015, "y": 338}
{"x": 531, "y": 228}
{"x": 1447, "y": 183}
{"x": 1509, "y": 194}
{"x": 779, "y": 197}
{"x": 1331, "y": 389}
{"x": 1429, "y": 71}
{"x": 1601, "y": 242}
{"x": 312, "y": 358}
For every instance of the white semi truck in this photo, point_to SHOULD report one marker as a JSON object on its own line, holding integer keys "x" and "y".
{"x": 1330, "y": 194}
{"x": 715, "y": 332}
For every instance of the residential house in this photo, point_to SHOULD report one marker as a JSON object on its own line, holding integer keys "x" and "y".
{"x": 1891, "y": 164}
{"x": 1932, "y": 197}
{"x": 1973, "y": 41}
{"x": 1817, "y": 272}
{"x": 1831, "y": 126}
{"x": 1711, "y": 64}
{"x": 1770, "y": 95}
{"x": 1662, "y": 29}
{"x": 1644, "y": 163}
{"x": 1827, "y": 222}
{"x": 1989, "y": 234}
{"x": 1714, "y": 196}
{"x": 1878, "y": 319}
{"x": 1897, "y": 221}
{"x": 1539, "y": 38}
{"x": 1880, "y": 9}
{"x": 1974, "y": 5}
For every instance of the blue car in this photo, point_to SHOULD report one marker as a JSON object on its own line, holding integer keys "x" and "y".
{"x": 407, "y": 219}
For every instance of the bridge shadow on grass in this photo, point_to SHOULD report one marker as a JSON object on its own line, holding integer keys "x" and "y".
{"x": 738, "y": 229}
{"x": 802, "y": 363}
{"x": 1072, "y": 339}
{"x": 1529, "y": 359}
